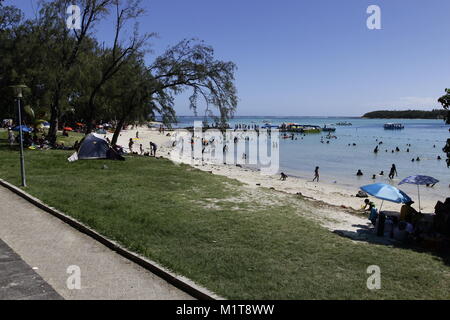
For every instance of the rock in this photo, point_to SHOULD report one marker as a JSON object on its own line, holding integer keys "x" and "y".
{"x": 362, "y": 194}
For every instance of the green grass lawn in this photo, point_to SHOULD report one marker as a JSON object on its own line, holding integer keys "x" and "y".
{"x": 219, "y": 233}
{"x": 71, "y": 139}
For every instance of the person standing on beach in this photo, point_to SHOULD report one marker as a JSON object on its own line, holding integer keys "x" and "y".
{"x": 316, "y": 175}
{"x": 153, "y": 148}
{"x": 130, "y": 145}
{"x": 393, "y": 172}
{"x": 11, "y": 137}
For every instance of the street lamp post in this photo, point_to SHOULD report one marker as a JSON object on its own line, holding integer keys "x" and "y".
{"x": 18, "y": 93}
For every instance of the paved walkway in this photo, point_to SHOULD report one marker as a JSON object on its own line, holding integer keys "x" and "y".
{"x": 18, "y": 281}
{"x": 50, "y": 247}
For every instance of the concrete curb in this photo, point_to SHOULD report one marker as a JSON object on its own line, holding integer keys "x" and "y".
{"x": 179, "y": 282}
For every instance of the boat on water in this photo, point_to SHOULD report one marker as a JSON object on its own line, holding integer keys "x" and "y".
{"x": 269, "y": 126}
{"x": 328, "y": 129}
{"x": 345, "y": 123}
{"x": 300, "y": 128}
{"x": 394, "y": 126}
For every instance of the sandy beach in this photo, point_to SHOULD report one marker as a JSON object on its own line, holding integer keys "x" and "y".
{"x": 342, "y": 198}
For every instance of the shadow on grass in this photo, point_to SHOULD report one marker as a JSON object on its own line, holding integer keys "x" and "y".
{"x": 7, "y": 147}
{"x": 367, "y": 234}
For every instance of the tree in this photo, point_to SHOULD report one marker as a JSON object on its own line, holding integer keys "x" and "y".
{"x": 70, "y": 73}
{"x": 445, "y": 102}
{"x": 10, "y": 16}
{"x": 18, "y": 58}
{"x": 63, "y": 47}
{"x": 113, "y": 59}
{"x": 191, "y": 65}
{"x": 188, "y": 65}
{"x": 132, "y": 100}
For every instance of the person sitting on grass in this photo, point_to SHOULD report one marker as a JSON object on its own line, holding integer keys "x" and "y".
{"x": 407, "y": 212}
{"x": 403, "y": 232}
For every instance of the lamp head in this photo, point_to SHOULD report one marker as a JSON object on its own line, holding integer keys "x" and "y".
{"x": 18, "y": 90}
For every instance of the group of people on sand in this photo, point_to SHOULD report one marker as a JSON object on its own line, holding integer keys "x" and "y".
{"x": 153, "y": 148}
{"x": 284, "y": 177}
{"x": 403, "y": 226}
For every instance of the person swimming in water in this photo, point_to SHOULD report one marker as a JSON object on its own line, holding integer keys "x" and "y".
{"x": 359, "y": 173}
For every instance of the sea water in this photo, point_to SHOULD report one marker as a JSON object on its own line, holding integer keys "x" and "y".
{"x": 340, "y": 159}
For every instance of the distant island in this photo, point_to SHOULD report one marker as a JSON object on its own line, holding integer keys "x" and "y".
{"x": 406, "y": 114}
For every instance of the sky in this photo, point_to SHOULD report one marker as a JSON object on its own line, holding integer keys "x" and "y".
{"x": 311, "y": 57}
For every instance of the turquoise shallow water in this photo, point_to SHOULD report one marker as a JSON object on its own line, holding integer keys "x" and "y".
{"x": 339, "y": 162}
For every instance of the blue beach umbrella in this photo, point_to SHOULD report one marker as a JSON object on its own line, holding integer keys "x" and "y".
{"x": 24, "y": 129}
{"x": 386, "y": 192}
{"x": 419, "y": 181}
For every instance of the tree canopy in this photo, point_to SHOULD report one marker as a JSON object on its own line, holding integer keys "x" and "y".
{"x": 445, "y": 102}
{"x": 73, "y": 76}
{"x": 406, "y": 114}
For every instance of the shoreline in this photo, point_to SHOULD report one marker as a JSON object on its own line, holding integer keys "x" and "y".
{"x": 333, "y": 194}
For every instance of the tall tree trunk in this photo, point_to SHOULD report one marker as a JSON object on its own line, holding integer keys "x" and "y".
{"x": 117, "y": 131}
{"x": 51, "y": 136}
{"x": 91, "y": 108}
